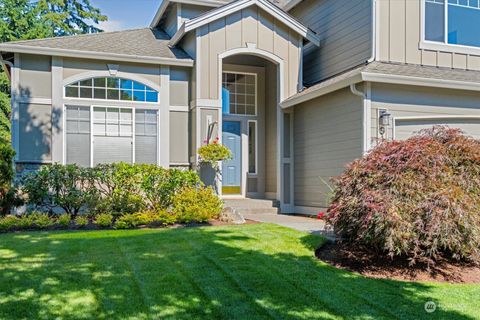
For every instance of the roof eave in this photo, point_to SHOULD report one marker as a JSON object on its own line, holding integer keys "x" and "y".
{"x": 95, "y": 55}
{"x": 420, "y": 81}
{"x": 362, "y": 76}
{"x": 293, "y": 101}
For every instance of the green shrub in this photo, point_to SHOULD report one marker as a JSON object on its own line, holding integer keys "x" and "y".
{"x": 8, "y": 223}
{"x": 119, "y": 188}
{"x": 104, "y": 220}
{"x": 418, "y": 198}
{"x": 115, "y": 188}
{"x": 126, "y": 221}
{"x": 196, "y": 205}
{"x": 25, "y": 222}
{"x": 68, "y": 187}
{"x": 41, "y": 220}
{"x": 165, "y": 218}
{"x": 160, "y": 185}
{"x": 81, "y": 221}
{"x": 130, "y": 188}
{"x": 64, "y": 220}
{"x": 8, "y": 197}
{"x": 145, "y": 218}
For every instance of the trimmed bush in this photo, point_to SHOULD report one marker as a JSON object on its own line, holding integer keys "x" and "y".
{"x": 197, "y": 205}
{"x": 418, "y": 198}
{"x": 81, "y": 221}
{"x": 104, "y": 220}
{"x": 68, "y": 187}
{"x": 40, "y": 220}
{"x": 8, "y": 223}
{"x": 64, "y": 220}
{"x": 127, "y": 221}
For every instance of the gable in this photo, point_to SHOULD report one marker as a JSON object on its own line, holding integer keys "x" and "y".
{"x": 239, "y": 5}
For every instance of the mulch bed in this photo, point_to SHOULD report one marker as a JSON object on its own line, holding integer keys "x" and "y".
{"x": 355, "y": 259}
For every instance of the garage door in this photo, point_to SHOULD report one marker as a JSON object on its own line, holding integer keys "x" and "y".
{"x": 404, "y": 128}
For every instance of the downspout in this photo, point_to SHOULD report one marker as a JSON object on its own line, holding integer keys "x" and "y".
{"x": 366, "y": 114}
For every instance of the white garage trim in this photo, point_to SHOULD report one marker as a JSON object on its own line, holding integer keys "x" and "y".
{"x": 434, "y": 117}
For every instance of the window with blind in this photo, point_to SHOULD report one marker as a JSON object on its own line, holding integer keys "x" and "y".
{"x": 78, "y": 135}
{"x": 146, "y": 132}
{"x": 112, "y": 134}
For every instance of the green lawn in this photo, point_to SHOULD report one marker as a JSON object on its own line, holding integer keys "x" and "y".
{"x": 251, "y": 271}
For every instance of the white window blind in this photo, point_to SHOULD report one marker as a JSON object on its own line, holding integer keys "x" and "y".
{"x": 113, "y": 135}
{"x": 78, "y": 135}
{"x": 146, "y": 134}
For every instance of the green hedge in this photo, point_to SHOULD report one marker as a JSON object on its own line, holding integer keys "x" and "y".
{"x": 114, "y": 188}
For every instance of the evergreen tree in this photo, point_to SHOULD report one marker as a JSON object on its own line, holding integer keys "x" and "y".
{"x": 24, "y": 20}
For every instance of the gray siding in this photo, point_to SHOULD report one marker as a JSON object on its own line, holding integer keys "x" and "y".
{"x": 179, "y": 138}
{"x": 345, "y": 29}
{"x": 413, "y": 101}
{"x": 179, "y": 86}
{"x": 327, "y": 136}
{"x": 35, "y": 134}
{"x": 35, "y": 76}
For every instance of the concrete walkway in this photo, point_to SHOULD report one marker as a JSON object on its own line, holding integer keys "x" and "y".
{"x": 310, "y": 225}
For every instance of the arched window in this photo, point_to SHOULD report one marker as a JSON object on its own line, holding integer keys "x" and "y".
{"x": 110, "y": 88}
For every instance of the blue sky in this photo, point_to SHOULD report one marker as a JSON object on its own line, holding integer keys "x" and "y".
{"x": 127, "y": 14}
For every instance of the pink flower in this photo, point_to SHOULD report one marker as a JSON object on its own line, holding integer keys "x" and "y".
{"x": 320, "y": 215}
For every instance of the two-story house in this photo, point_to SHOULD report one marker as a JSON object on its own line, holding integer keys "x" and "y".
{"x": 296, "y": 89}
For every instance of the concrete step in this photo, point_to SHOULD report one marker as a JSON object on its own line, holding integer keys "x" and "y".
{"x": 253, "y": 206}
{"x": 246, "y": 211}
{"x": 251, "y": 203}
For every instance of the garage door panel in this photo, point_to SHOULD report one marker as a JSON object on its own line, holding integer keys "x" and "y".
{"x": 405, "y": 128}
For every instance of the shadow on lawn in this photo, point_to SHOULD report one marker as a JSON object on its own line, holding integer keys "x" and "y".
{"x": 233, "y": 272}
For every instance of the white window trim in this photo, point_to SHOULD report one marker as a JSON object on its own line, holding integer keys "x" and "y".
{"x": 442, "y": 46}
{"x": 432, "y": 117}
{"x": 111, "y": 100}
{"x": 92, "y": 106}
{"x": 253, "y": 174}
{"x": 256, "y": 92}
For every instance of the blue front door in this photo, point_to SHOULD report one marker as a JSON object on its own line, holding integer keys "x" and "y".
{"x": 231, "y": 169}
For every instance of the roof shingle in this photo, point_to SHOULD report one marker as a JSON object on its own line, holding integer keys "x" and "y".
{"x": 139, "y": 42}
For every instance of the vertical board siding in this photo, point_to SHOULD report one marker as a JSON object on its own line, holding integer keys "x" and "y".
{"x": 179, "y": 137}
{"x": 345, "y": 29}
{"x": 251, "y": 25}
{"x": 327, "y": 136}
{"x": 399, "y": 37}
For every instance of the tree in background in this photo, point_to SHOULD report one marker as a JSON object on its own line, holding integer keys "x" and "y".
{"x": 24, "y": 20}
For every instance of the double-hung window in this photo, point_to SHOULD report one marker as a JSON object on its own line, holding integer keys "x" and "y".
{"x": 452, "y": 22}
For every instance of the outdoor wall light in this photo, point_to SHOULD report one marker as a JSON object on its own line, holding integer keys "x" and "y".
{"x": 384, "y": 120}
